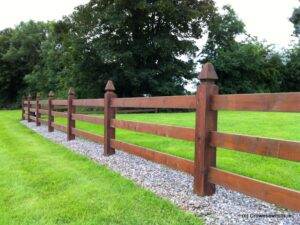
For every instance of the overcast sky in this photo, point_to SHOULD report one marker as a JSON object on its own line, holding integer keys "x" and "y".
{"x": 266, "y": 19}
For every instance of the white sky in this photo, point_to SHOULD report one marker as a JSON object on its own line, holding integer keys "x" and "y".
{"x": 266, "y": 19}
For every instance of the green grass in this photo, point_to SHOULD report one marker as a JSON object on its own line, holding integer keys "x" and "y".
{"x": 273, "y": 125}
{"x": 44, "y": 183}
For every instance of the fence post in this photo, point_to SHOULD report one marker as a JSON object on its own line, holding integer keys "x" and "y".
{"x": 50, "y": 108}
{"x": 206, "y": 121}
{"x": 71, "y": 109}
{"x": 37, "y": 110}
{"x": 23, "y": 107}
{"x": 109, "y": 114}
{"x": 28, "y": 108}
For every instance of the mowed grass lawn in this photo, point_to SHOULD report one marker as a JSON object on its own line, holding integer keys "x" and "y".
{"x": 44, "y": 183}
{"x": 264, "y": 124}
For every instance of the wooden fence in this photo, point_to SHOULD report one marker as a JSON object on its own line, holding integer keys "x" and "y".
{"x": 207, "y": 102}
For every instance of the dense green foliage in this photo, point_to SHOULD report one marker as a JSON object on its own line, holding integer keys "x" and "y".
{"x": 261, "y": 124}
{"x": 295, "y": 19}
{"x": 145, "y": 47}
{"x": 19, "y": 54}
{"x": 43, "y": 183}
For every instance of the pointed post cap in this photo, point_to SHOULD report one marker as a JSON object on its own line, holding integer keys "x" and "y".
{"x": 110, "y": 86}
{"x": 29, "y": 95}
{"x": 208, "y": 73}
{"x": 51, "y": 94}
{"x": 71, "y": 91}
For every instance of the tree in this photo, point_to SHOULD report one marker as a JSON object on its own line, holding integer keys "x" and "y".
{"x": 9, "y": 84}
{"x": 138, "y": 43}
{"x": 223, "y": 30}
{"x": 291, "y": 78}
{"x": 248, "y": 67}
{"x": 242, "y": 66}
{"x": 19, "y": 54}
{"x": 295, "y": 19}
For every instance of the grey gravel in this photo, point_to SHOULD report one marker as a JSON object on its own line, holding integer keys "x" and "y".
{"x": 225, "y": 207}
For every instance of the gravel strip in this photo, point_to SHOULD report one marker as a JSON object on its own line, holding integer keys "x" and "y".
{"x": 225, "y": 207}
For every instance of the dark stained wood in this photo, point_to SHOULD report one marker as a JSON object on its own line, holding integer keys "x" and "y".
{"x": 109, "y": 115}
{"x": 277, "y": 102}
{"x": 206, "y": 121}
{"x": 175, "y": 102}
{"x": 87, "y": 135}
{"x": 284, "y": 197}
{"x": 87, "y": 118}
{"x": 288, "y": 150}
{"x": 50, "y": 109}
{"x": 59, "y": 114}
{"x": 70, "y": 120}
{"x": 23, "y": 108}
{"x": 60, "y": 127}
{"x": 182, "y": 133}
{"x": 89, "y": 102}
{"x": 124, "y": 110}
{"x": 60, "y": 102}
{"x": 28, "y": 108}
{"x": 37, "y": 110}
{"x": 174, "y": 162}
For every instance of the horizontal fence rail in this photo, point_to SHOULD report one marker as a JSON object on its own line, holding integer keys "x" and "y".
{"x": 160, "y": 130}
{"x": 207, "y": 102}
{"x": 288, "y": 150}
{"x": 174, "y": 162}
{"x": 86, "y": 118}
{"x": 268, "y": 192}
{"x": 89, "y": 102}
{"x": 279, "y": 102}
{"x": 179, "y": 102}
{"x": 87, "y": 135}
{"x": 60, "y": 102}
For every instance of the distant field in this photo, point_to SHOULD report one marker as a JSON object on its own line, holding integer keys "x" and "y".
{"x": 272, "y": 125}
{"x": 42, "y": 183}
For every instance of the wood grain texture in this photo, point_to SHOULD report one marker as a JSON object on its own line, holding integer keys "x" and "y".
{"x": 71, "y": 109}
{"x": 50, "y": 109}
{"x": 37, "y": 110}
{"x": 182, "y": 133}
{"x": 283, "y": 197}
{"x": 87, "y": 118}
{"x": 205, "y": 154}
{"x": 89, "y": 102}
{"x": 173, "y": 102}
{"x": 277, "y": 102}
{"x": 28, "y": 109}
{"x": 288, "y": 150}
{"x": 109, "y": 115}
{"x": 174, "y": 162}
{"x": 60, "y": 102}
{"x": 87, "y": 135}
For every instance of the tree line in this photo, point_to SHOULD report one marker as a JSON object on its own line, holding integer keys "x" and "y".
{"x": 140, "y": 46}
